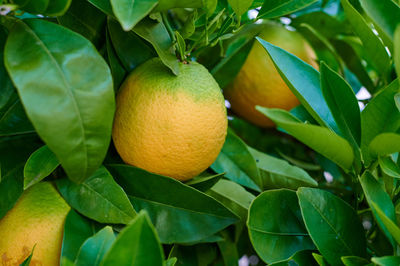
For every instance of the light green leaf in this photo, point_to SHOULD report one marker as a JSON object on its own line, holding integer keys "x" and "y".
{"x": 320, "y": 139}
{"x": 57, "y": 7}
{"x": 136, "y": 244}
{"x": 386, "y": 261}
{"x": 389, "y": 167}
{"x": 390, "y": 225}
{"x": 130, "y": 12}
{"x": 277, "y": 8}
{"x": 240, "y": 6}
{"x": 62, "y": 103}
{"x": 99, "y": 198}
{"x": 384, "y": 144}
{"x": 39, "y": 165}
{"x": 277, "y": 173}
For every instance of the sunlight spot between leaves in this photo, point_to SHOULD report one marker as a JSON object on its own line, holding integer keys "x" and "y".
{"x": 328, "y": 177}
{"x": 363, "y": 94}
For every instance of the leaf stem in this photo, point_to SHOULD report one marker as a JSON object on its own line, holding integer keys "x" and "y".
{"x": 168, "y": 26}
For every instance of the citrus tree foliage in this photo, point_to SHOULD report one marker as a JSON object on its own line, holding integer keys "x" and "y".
{"x": 323, "y": 188}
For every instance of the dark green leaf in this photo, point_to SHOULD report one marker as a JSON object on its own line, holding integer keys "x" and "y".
{"x": 39, "y": 165}
{"x": 117, "y": 70}
{"x": 76, "y": 87}
{"x": 396, "y": 59}
{"x": 94, "y": 248}
{"x": 277, "y": 8}
{"x": 389, "y": 167}
{"x": 237, "y": 163}
{"x": 302, "y": 257}
{"x": 130, "y": 12}
{"x": 155, "y": 33}
{"x": 90, "y": 25}
{"x": 318, "y": 138}
{"x": 198, "y": 255}
{"x": 137, "y": 244}
{"x": 13, "y": 120}
{"x": 275, "y": 226}
{"x": 6, "y": 86}
{"x": 36, "y": 6}
{"x": 277, "y": 173}
{"x": 169, "y": 4}
{"x": 385, "y": 13}
{"x": 204, "y": 181}
{"x": 343, "y": 104}
{"x": 11, "y": 188}
{"x": 387, "y": 261}
{"x": 103, "y": 5}
{"x": 374, "y": 193}
{"x": 131, "y": 49}
{"x": 304, "y": 81}
{"x": 384, "y": 144}
{"x": 379, "y": 116}
{"x": 228, "y": 249}
{"x": 375, "y": 49}
{"x": 333, "y": 225}
{"x": 188, "y": 214}
{"x": 99, "y": 197}
{"x": 76, "y": 230}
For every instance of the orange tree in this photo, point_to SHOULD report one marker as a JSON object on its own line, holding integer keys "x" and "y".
{"x": 118, "y": 148}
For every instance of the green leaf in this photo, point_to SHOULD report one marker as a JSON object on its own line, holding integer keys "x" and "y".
{"x": 343, "y": 104}
{"x": 36, "y": 6}
{"x": 11, "y": 188}
{"x": 39, "y": 165}
{"x": 6, "y": 87}
{"x": 389, "y": 224}
{"x": 76, "y": 230}
{"x": 155, "y": 33}
{"x": 385, "y": 13}
{"x": 374, "y": 193}
{"x": 169, "y": 4}
{"x": 131, "y": 49}
{"x": 379, "y": 116}
{"x": 354, "y": 261}
{"x": 90, "y": 26}
{"x": 13, "y": 120}
{"x": 99, "y": 198}
{"x": 333, "y": 225}
{"x": 204, "y": 181}
{"x": 130, "y": 12}
{"x": 188, "y": 214}
{"x": 234, "y": 197}
{"x": 103, "y": 5}
{"x": 277, "y": 8}
{"x": 386, "y": 261}
{"x": 304, "y": 81}
{"x": 198, "y": 255}
{"x": 275, "y": 226}
{"x": 302, "y": 257}
{"x": 389, "y": 167}
{"x": 385, "y": 143}
{"x": 277, "y": 173}
{"x": 27, "y": 261}
{"x": 57, "y": 7}
{"x": 117, "y": 70}
{"x": 375, "y": 49}
{"x": 137, "y": 244}
{"x": 240, "y": 6}
{"x": 320, "y": 139}
{"x": 94, "y": 248}
{"x": 320, "y": 259}
{"x": 228, "y": 249}
{"x": 237, "y": 163}
{"x": 75, "y": 88}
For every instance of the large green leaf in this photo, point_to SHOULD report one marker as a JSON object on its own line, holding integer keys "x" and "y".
{"x": 130, "y": 48}
{"x": 137, "y": 244}
{"x": 94, "y": 248}
{"x": 99, "y": 197}
{"x": 35, "y": 6}
{"x": 73, "y": 88}
{"x": 318, "y": 138}
{"x": 385, "y": 13}
{"x": 76, "y": 230}
{"x": 277, "y": 8}
{"x": 39, "y": 165}
{"x": 379, "y": 116}
{"x": 276, "y": 228}
{"x": 386, "y": 261}
{"x": 277, "y": 173}
{"x": 156, "y": 33}
{"x": 91, "y": 25}
{"x": 304, "y": 81}
{"x": 130, "y": 12}
{"x": 188, "y": 215}
{"x": 237, "y": 163}
{"x": 375, "y": 49}
{"x": 343, "y": 104}
{"x": 389, "y": 224}
{"x": 57, "y": 7}
{"x": 374, "y": 193}
{"x": 333, "y": 225}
